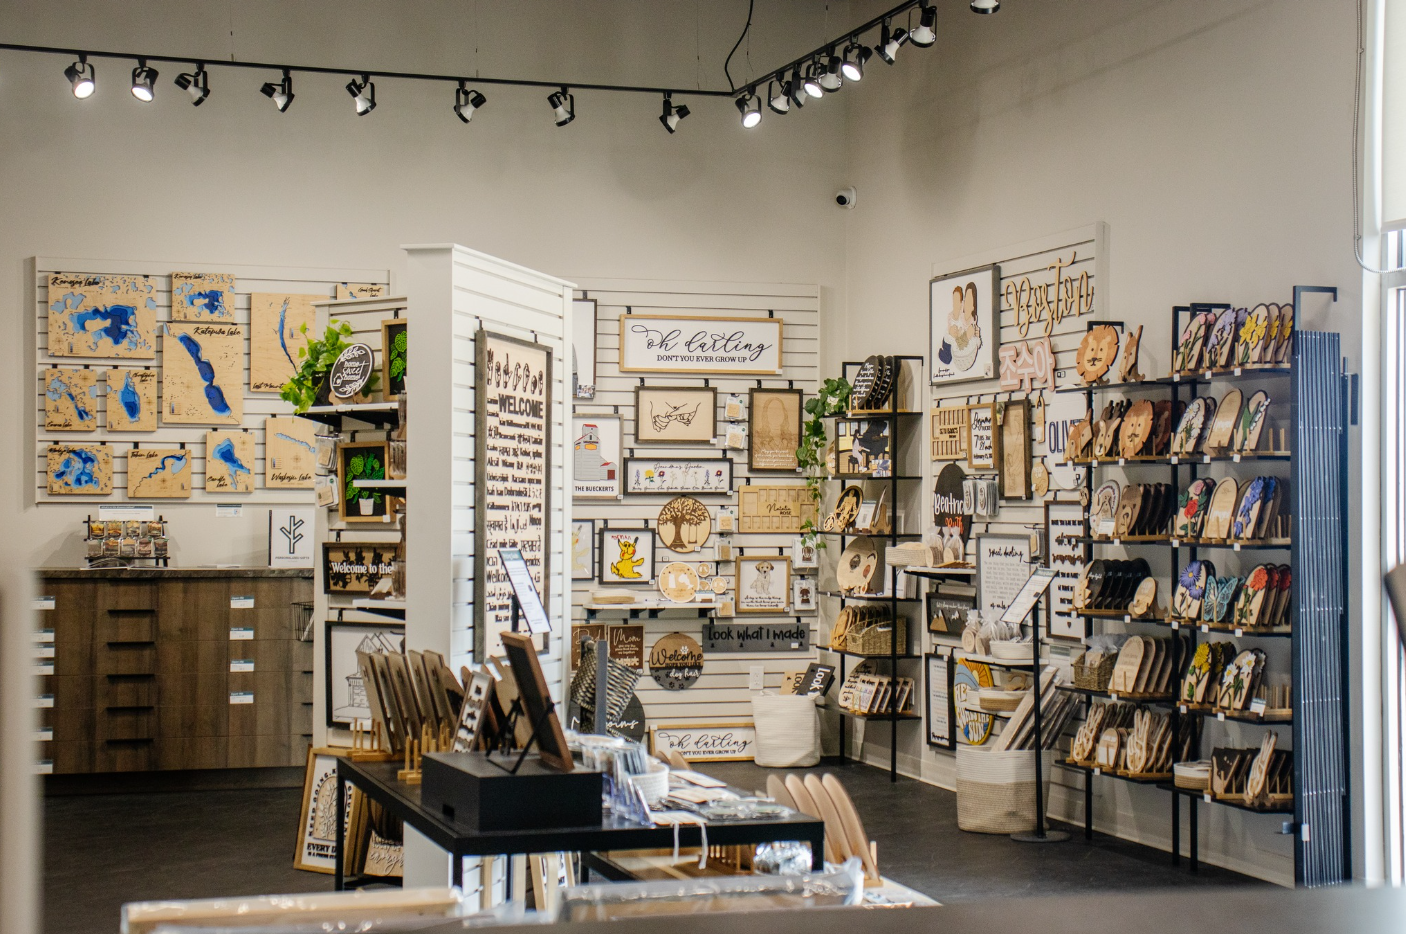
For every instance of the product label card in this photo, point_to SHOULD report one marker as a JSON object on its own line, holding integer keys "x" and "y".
{"x": 241, "y": 603}
{"x": 43, "y": 635}
{"x": 241, "y": 633}
{"x": 43, "y": 701}
{"x": 241, "y": 697}
{"x": 241, "y": 664}
{"x": 45, "y": 603}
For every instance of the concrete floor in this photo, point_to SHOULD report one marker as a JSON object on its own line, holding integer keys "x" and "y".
{"x": 104, "y": 850}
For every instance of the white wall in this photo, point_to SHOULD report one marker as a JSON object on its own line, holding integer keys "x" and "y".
{"x": 1213, "y": 136}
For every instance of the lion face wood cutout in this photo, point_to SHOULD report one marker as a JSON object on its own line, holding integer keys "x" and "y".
{"x": 1097, "y": 351}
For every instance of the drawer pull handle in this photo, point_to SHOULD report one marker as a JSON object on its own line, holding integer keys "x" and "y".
{"x": 134, "y": 741}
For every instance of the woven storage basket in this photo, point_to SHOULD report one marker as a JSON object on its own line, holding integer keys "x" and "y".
{"x": 787, "y": 729}
{"x": 996, "y": 790}
{"x": 877, "y": 638}
{"x": 1094, "y": 677}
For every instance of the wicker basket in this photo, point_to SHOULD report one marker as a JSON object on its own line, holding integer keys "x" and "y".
{"x": 1094, "y": 677}
{"x": 996, "y": 790}
{"x": 877, "y": 638}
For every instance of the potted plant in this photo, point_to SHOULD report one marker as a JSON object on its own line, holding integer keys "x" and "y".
{"x": 365, "y": 466}
{"x": 832, "y": 399}
{"x": 308, "y": 386}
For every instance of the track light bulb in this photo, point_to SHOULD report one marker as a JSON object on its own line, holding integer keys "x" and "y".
{"x": 563, "y": 106}
{"x": 83, "y": 77}
{"x": 364, "y": 93}
{"x": 143, "y": 82}
{"x": 925, "y": 33}
{"x": 672, "y": 116}
{"x": 281, "y": 93}
{"x": 985, "y": 6}
{"x": 852, "y": 67}
{"x": 196, "y": 84}
{"x": 778, "y": 96}
{"x": 890, "y": 42}
{"x": 811, "y": 84}
{"x": 830, "y": 78}
{"x": 466, "y": 101}
{"x": 750, "y": 108}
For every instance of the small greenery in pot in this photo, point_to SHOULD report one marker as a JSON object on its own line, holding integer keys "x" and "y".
{"x": 308, "y": 386}
{"x": 832, "y": 399}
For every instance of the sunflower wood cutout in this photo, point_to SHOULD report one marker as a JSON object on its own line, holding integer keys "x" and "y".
{"x": 684, "y": 525}
{"x": 1097, "y": 351}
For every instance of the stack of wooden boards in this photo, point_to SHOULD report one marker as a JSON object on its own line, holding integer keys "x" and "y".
{"x": 1055, "y": 709}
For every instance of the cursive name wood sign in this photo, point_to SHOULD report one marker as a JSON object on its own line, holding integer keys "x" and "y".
{"x": 689, "y": 344}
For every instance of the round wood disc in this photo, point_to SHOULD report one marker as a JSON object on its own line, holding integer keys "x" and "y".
{"x": 1221, "y": 510}
{"x": 864, "y": 382}
{"x": 719, "y": 585}
{"x": 1136, "y": 428}
{"x": 857, "y": 565}
{"x": 1223, "y": 426}
{"x": 1251, "y": 423}
{"x": 684, "y": 525}
{"x": 678, "y": 582}
{"x": 676, "y": 661}
{"x": 1097, "y": 351}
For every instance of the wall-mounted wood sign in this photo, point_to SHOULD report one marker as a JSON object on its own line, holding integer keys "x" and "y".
{"x": 79, "y": 469}
{"x": 1027, "y": 365}
{"x": 949, "y": 433}
{"x": 1049, "y": 303}
{"x": 779, "y": 509}
{"x": 158, "y": 473}
{"x": 645, "y": 475}
{"x": 102, "y": 316}
{"x": 279, "y": 326}
{"x": 198, "y": 296}
{"x": 512, "y": 438}
{"x": 714, "y": 742}
{"x": 695, "y": 344}
{"x": 70, "y": 399}
{"x": 774, "y": 429}
{"x": 981, "y": 436}
{"x": 357, "y": 567}
{"x": 229, "y": 462}
{"x": 1015, "y": 450}
{"x": 351, "y": 371}
{"x": 760, "y": 637}
{"x": 290, "y": 453}
{"x": 202, "y": 374}
{"x": 131, "y": 399}
{"x": 675, "y": 415}
{"x": 346, "y": 290}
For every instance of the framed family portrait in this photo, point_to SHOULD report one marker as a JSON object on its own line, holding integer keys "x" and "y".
{"x": 964, "y": 334}
{"x": 774, "y": 429}
{"x": 763, "y": 584}
{"x": 675, "y": 415}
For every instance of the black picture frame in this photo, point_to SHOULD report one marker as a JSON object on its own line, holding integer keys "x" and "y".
{"x": 948, "y": 601}
{"x": 591, "y": 540}
{"x": 390, "y": 550}
{"x": 950, "y": 740}
{"x": 696, "y": 435}
{"x": 724, "y": 463}
{"x": 328, "y": 627}
{"x": 754, "y": 398}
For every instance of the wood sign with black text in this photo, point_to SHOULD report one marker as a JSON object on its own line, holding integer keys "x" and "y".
{"x": 697, "y": 344}
{"x": 357, "y": 567}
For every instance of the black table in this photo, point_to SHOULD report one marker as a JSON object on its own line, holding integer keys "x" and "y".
{"x": 376, "y": 780}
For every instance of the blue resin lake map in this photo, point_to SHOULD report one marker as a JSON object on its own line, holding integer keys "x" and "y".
{"x": 202, "y": 378}
{"x": 70, "y": 400}
{"x": 158, "y": 473}
{"x": 202, "y": 297}
{"x": 131, "y": 399}
{"x": 102, "y": 316}
{"x": 78, "y": 470}
{"x": 229, "y": 462}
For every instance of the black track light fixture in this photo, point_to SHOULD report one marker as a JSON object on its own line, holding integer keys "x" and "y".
{"x": 795, "y": 88}
{"x": 985, "y": 6}
{"x": 144, "y": 82}
{"x": 563, "y": 106}
{"x": 466, "y": 101}
{"x": 83, "y": 77}
{"x": 831, "y": 79}
{"x": 280, "y": 93}
{"x": 672, "y": 116}
{"x": 811, "y": 84}
{"x": 195, "y": 83}
{"x": 925, "y": 33}
{"x": 778, "y": 96}
{"x": 364, "y": 93}
{"x": 890, "y": 41}
{"x": 852, "y": 65}
{"x": 750, "y": 108}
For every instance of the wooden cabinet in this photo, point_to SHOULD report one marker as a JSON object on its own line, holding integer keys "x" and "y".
{"x": 178, "y": 669}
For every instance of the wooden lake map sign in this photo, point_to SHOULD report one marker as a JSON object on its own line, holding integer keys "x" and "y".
{"x": 102, "y": 316}
{"x": 696, "y": 344}
{"x": 279, "y": 326}
{"x": 202, "y": 374}
{"x": 290, "y": 453}
{"x": 513, "y": 431}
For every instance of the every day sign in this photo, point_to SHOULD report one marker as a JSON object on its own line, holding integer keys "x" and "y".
{"x": 687, "y": 344}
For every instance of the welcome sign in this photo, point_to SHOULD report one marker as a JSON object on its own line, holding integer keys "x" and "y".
{"x": 689, "y": 344}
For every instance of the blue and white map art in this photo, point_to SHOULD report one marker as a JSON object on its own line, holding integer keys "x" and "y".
{"x": 70, "y": 399}
{"x": 158, "y": 473}
{"x": 131, "y": 399}
{"x": 199, "y": 296}
{"x": 102, "y": 316}
{"x": 78, "y": 469}
{"x": 276, "y": 334}
{"x": 202, "y": 374}
{"x": 229, "y": 462}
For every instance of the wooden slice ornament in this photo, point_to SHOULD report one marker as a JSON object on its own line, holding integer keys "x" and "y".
{"x": 857, "y": 565}
{"x": 1097, "y": 351}
{"x": 1040, "y": 478}
{"x": 1144, "y": 599}
{"x": 1129, "y": 664}
{"x": 1221, "y": 510}
{"x": 846, "y": 508}
{"x": 678, "y": 582}
{"x": 1136, "y": 429}
{"x": 1250, "y": 425}
{"x": 1128, "y": 371}
{"x": 1222, "y": 428}
{"x": 1220, "y": 346}
{"x": 684, "y": 525}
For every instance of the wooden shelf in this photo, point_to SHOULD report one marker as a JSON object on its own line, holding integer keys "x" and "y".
{"x": 395, "y": 609}
{"x": 380, "y": 484}
{"x": 1118, "y": 696}
{"x": 938, "y": 573}
{"x": 882, "y": 657}
{"x": 373, "y": 413}
{"x": 1233, "y": 457}
{"x": 878, "y": 716}
{"x": 1207, "y": 798}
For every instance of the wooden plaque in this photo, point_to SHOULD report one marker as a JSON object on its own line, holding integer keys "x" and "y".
{"x": 131, "y": 399}
{"x": 276, "y": 334}
{"x": 949, "y": 433}
{"x": 780, "y": 509}
{"x": 102, "y": 316}
{"x": 202, "y": 374}
{"x": 70, "y": 399}
{"x": 197, "y": 296}
{"x": 78, "y": 469}
{"x": 290, "y": 453}
{"x": 229, "y": 462}
{"x": 158, "y": 473}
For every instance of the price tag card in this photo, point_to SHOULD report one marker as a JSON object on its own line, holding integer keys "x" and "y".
{"x": 44, "y": 651}
{"x": 43, "y": 635}
{"x": 44, "y": 701}
{"x": 44, "y": 603}
{"x": 1259, "y": 705}
{"x": 44, "y": 734}
{"x": 241, "y": 603}
{"x": 241, "y": 664}
{"x": 241, "y": 633}
{"x": 241, "y": 697}
{"x": 44, "y": 767}
{"x": 44, "y": 668}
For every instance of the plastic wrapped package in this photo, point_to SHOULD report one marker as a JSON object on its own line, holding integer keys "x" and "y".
{"x": 367, "y": 910}
{"x": 844, "y": 886}
{"x": 507, "y": 915}
{"x": 786, "y": 858}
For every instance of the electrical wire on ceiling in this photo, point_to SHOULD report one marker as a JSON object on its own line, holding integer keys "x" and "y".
{"x": 745, "y": 29}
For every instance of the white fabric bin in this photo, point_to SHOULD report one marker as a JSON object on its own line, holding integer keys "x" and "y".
{"x": 996, "y": 790}
{"x": 788, "y": 730}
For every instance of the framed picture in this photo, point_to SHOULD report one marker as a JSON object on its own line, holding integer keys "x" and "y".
{"x": 675, "y": 415}
{"x": 1015, "y": 450}
{"x": 937, "y": 713}
{"x": 357, "y": 567}
{"x": 595, "y": 456}
{"x": 1065, "y": 525}
{"x": 698, "y": 344}
{"x": 362, "y": 460}
{"x": 395, "y": 341}
{"x": 583, "y": 549}
{"x": 626, "y": 556}
{"x": 981, "y": 436}
{"x": 674, "y": 475}
{"x": 345, "y": 694}
{"x": 947, "y": 611}
{"x": 774, "y": 429}
{"x": 317, "y": 829}
{"x": 804, "y": 555}
{"x": 537, "y": 700}
{"x": 711, "y": 743}
{"x": 803, "y": 595}
{"x": 964, "y": 333}
{"x": 1002, "y": 567}
{"x": 583, "y": 348}
{"x": 763, "y": 584}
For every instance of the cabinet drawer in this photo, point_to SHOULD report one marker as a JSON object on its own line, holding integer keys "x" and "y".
{"x": 71, "y": 756}
{"x": 179, "y": 657}
{"x": 265, "y": 751}
{"x": 121, "y": 659}
{"x": 117, "y": 597}
{"x": 126, "y": 628}
{"x": 133, "y": 691}
{"x": 194, "y": 609}
{"x": 71, "y": 691}
{"x": 205, "y": 752}
{"x": 200, "y": 689}
{"x": 126, "y": 723}
{"x": 178, "y": 723}
{"x": 115, "y": 755}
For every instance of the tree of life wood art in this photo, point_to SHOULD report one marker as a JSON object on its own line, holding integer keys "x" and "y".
{"x": 202, "y": 374}
{"x": 78, "y": 469}
{"x": 70, "y": 399}
{"x": 684, "y": 525}
{"x": 131, "y": 399}
{"x": 102, "y": 316}
{"x": 229, "y": 462}
{"x": 199, "y": 296}
{"x": 158, "y": 473}
{"x": 780, "y": 509}
{"x": 290, "y": 453}
{"x": 279, "y": 325}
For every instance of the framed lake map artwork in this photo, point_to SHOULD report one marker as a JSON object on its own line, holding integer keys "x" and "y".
{"x": 202, "y": 374}
{"x": 102, "y": 316}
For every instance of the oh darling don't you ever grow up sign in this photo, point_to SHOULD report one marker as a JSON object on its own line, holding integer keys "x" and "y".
{"x": 697, "y": 344}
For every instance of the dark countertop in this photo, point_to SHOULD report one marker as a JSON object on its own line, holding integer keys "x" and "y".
{"x": 152, "y": 573}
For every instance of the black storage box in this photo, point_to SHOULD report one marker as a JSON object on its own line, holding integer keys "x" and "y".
{"x": 467, "y": 790}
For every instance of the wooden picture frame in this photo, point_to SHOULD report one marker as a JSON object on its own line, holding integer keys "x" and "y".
{"x": 712, "y": 742}
{"x": 583, "y": 348}
{"x": 317, "y": 823}
{"x": 597, "y": 443}
{"x": 691, "y": 344}
{"x": 355, "y": 567}
{"x": 537, "y": 705}
{"x": 981, "y": 436}
{"x": 759, "y": 588}
{"x": 349, "y": 469}
{"x": 774, "y": 419}
{"x": 937, "y": 692}
{"x": 671, "y": 476}
{"x": 949, "y": 433}
{"x": 583, "y": 532}
{"x": 394, "y": 346}
{"x": 641, "y": 553}
{"x": 341, "y": 665}
{"x": 670, "y": 415}
{"x": 964, "y": 334}
{"x": 1015, "y": 450}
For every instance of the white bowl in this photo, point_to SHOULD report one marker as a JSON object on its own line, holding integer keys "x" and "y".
{"x": 1013, "y": 650}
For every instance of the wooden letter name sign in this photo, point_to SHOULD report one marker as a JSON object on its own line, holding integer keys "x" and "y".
{"x": 774, "y": 508}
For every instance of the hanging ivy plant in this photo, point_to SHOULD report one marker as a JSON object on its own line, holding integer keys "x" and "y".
{"x": 832, "y": 399}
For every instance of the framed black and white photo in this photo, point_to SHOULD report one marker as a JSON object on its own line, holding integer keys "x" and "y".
{"x": 645, "y": 476}
{"x": 595, "y": 455}
{"x": 698, "y": 344}
{"x": 964, "y": 331}
{"x": 344, "y": 693}
{"x": 583, "y": 348}
{"x": 583, "y": 549}
{"x": 675, "y": 415}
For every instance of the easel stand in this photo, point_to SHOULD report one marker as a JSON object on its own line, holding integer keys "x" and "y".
{"x": 506, "y": 734}
{"x": 1040, "y": 834}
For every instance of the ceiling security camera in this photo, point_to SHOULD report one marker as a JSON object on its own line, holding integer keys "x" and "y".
{"x": 845, "y": 198}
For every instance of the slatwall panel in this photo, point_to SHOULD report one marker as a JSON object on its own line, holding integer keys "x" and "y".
{"x": 721, "y": 694}
{"x": 257, "y": 406}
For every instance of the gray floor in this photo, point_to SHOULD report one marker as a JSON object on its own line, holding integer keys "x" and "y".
{"x": 103, "y": 850}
